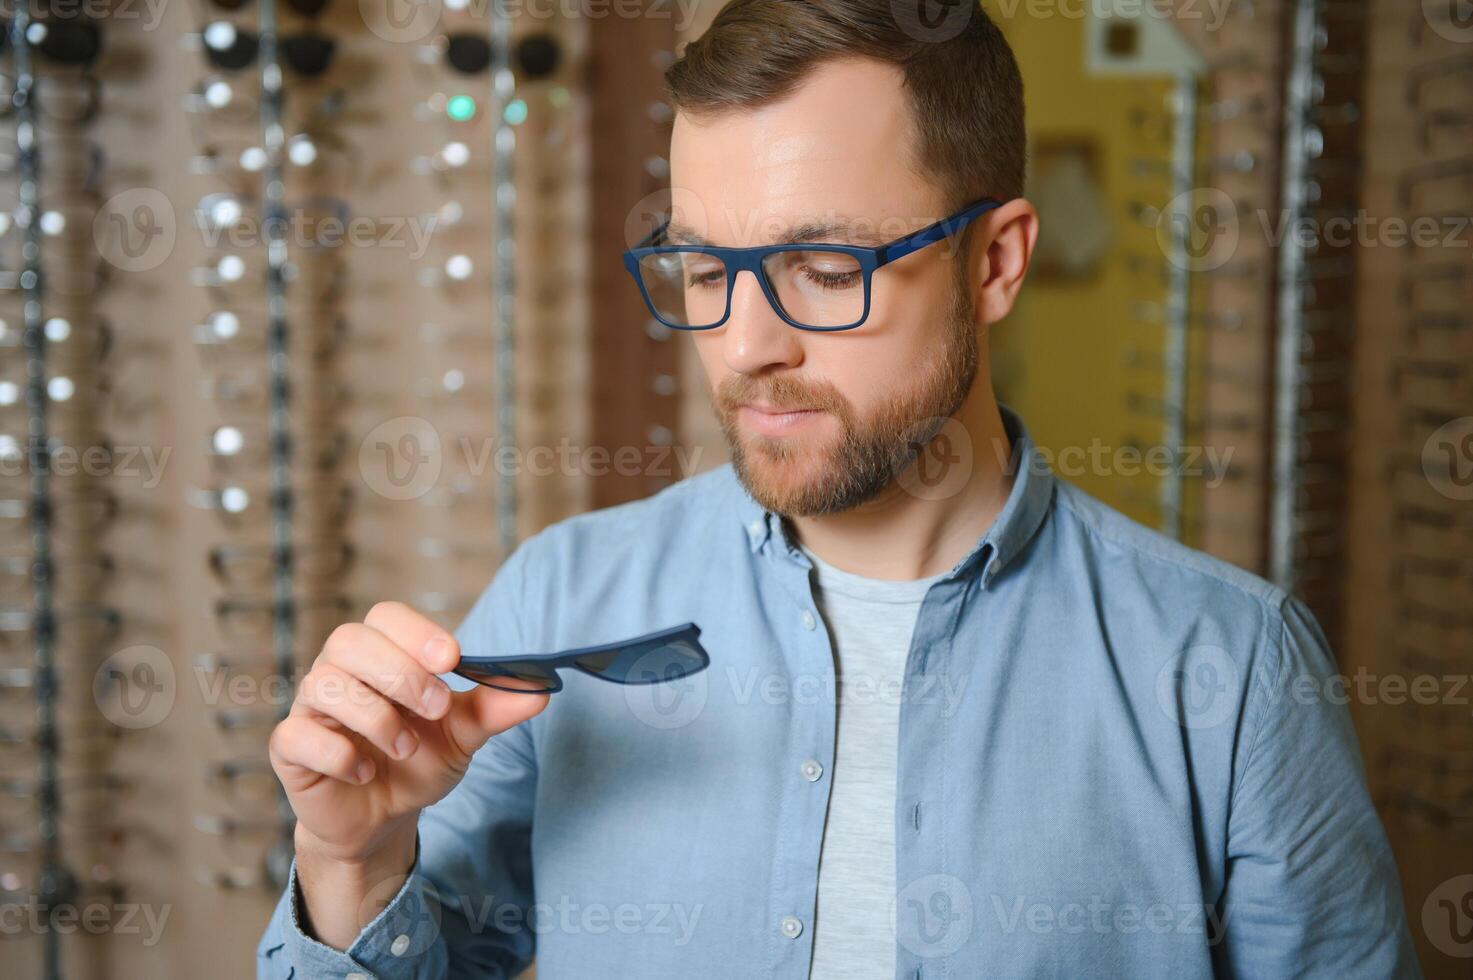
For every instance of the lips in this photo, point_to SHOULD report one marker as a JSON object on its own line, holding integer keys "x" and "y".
{"x": 774, "y": 410}
{"x": 771, "y": 421}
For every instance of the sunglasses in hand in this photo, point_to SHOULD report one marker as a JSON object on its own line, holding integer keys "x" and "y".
{"x": 654, "y": 658}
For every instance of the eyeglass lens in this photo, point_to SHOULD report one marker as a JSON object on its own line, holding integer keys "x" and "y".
{"x": 814, "y": 288}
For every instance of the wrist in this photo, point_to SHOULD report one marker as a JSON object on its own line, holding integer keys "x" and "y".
{"x": 341, "y": 893}
{"x": 390, "y": 851}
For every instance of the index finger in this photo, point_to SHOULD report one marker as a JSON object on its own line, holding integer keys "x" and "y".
{"x": 419, "y": 636}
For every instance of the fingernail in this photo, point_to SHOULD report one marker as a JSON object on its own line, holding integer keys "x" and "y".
{"x": 435, "y": 699}
{"x": 435, "y": 649}
{"x": 405, "y": 744}
{"x": 365, "y": 770}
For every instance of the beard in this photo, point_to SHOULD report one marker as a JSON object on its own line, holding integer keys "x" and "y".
{"x": 794, "y": 478}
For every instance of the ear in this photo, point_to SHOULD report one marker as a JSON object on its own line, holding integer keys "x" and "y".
{"x": 1004, "y": 249}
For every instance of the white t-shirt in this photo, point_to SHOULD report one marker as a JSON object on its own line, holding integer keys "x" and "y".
{"x": 870, "y": 623}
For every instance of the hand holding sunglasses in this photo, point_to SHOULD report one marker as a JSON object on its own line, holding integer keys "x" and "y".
{"x": 374, "y": 737}
{"x": 665, "y": 655}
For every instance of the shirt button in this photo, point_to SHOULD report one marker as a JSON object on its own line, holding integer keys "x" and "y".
{"x": 399, "y": 945}
{"x": 811, "y": 770}
{"x": 791, "y": 926}
{"x": 808, "y": 621}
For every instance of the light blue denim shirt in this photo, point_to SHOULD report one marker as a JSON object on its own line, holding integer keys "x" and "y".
{"x": 1118, "y": 757}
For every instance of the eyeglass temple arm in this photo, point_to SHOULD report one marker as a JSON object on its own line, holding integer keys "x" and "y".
{"x": 934, "y": 233}
{"x": 901, "y": 247}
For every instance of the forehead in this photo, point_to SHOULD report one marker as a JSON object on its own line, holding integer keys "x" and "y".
{"x": 839, "y": 146}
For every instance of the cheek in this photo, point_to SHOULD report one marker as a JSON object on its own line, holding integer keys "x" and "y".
{"x": 708, "y": 349}
{"x": 869, "y": 367}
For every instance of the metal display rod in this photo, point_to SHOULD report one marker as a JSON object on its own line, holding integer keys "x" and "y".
{"x": 57, "y": 885}
{"x": 504, "y": 259}
{"x": 1288, "y": 375}
{"x": 1183, "y": 167}
{"x": 283, "y": 620}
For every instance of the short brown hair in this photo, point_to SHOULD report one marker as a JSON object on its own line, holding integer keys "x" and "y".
{"x": 963, "y": 82}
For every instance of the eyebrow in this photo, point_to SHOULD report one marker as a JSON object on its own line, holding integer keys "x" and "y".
{"x": 841, "y": 232}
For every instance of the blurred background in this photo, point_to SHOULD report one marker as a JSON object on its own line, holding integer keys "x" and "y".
{"x": 1250, "y": 325}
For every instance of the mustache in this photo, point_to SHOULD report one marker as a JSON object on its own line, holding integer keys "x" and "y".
{"x": 789, "y": 393}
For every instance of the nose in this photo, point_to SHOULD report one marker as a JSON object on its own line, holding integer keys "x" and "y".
{"x": 756, "y": 338}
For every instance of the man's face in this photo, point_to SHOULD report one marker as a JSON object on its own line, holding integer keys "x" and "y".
{"x": 818, "y": 423}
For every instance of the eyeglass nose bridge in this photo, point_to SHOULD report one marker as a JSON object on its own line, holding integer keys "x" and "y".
{"x": 750, "y": 263}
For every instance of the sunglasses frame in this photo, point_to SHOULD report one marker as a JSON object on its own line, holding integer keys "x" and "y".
{"x": 569, "y": 658}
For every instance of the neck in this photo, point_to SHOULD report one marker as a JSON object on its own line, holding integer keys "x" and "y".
{"x": 930, "y": 517}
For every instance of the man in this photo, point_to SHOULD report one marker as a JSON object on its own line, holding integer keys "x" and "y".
{"x": 960, "y": 719}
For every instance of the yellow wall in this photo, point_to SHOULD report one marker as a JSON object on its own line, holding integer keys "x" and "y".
{"x": 1060, "y": 359}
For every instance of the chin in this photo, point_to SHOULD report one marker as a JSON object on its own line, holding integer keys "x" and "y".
{"x": 777, "y": 477}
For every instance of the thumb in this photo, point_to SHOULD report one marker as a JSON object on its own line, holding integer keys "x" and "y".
{"x": 482, "y": 712}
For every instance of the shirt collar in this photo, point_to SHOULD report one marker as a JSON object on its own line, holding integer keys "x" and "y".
{"x": 1020, "y": 518}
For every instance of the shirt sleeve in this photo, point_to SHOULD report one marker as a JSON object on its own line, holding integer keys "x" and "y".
{"x": 463, "y": 911}
{"x": 1312, "y": 888}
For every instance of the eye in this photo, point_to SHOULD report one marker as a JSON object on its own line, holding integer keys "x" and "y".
{"x": 704, "y": 273}
{"x": 831, "y": 280}
{"x": 824, "y": 270}
{"x": 830, "y": 270}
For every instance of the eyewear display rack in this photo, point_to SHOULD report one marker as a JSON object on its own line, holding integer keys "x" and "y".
{"x": 1320, "y": 173}
{"x": 1409, "y": 634}
{"x": 57, "y": 883}
{"x": 1233, "y": 273}
{"x": 504, "y": 259}
{"x": 278, "y": 384}
{"x": 635, "y": 362}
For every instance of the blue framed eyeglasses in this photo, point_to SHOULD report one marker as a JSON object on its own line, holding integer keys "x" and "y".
{"x": 812, "y": 286}
{"x": 666, "y": 655}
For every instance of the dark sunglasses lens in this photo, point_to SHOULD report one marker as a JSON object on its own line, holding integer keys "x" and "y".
{"x": 468, "y": 54}
{"x": 495, "y": 675}
{"x": 538, "y": 56}
{"x": 228, "y": 47}
{"x": 307, "y": 8}
{"x": 309, "y": 55}
{"x": 647, "y": 663}
{"x": 67, "y": 42}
